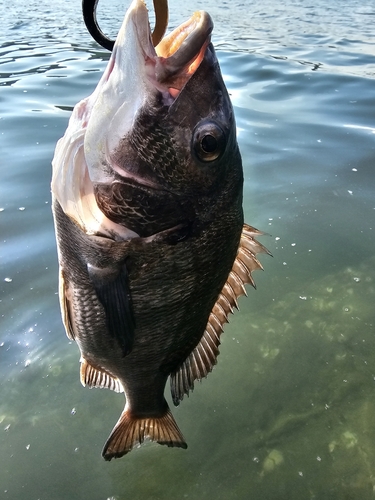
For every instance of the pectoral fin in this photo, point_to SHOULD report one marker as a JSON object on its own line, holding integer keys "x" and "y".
{"x": 112, "y": 289}
{"x": 202, "y": 359}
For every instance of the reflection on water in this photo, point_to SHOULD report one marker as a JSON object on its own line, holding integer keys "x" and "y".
{"x": 289, "y": 411}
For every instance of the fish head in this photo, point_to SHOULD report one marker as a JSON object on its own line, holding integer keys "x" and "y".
{"x": 162, "y": 114}
{"x": 160, "y": 118}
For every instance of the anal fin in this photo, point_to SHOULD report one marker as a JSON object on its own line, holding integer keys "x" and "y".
{"x": 203, "y": 358}
{"x": 95, "y": 377}
{"x": 131, "y": 431}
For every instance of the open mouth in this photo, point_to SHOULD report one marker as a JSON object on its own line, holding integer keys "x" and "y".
{"x": 171, "y": 63}
{"x": 180, "y": 53}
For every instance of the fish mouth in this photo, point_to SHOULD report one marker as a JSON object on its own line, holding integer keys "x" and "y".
{"x": 171, "y": 63}
{"x": 180, "y": 53}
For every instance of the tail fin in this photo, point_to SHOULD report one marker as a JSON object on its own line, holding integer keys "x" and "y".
{"x": 130, "y": 431}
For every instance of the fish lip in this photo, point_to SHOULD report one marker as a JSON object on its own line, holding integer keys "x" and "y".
{"x": 175, "y": 59}
{"x": 182, "y": 50}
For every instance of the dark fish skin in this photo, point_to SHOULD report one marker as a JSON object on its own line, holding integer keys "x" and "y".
{"x": 153, "y": 305}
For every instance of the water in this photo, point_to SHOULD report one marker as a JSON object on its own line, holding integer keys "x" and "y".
{"x": 289, "y": 412}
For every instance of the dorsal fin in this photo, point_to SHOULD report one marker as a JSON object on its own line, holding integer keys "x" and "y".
{"x": 202, "y": 359}
{"x": 95, "y": 377}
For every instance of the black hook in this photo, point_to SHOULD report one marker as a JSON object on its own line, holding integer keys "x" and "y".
{"x": 89, "y": 16}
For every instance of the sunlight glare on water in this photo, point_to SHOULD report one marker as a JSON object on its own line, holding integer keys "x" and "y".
{"x": 289, "y": 411}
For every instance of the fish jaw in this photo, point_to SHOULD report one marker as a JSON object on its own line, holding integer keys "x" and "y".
{"x": 120, "y": 93}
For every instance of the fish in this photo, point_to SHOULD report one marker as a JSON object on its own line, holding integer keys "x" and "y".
{"x": 153, "y": 251}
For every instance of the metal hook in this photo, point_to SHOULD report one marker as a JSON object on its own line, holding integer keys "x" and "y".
{"x": 89, "y": 17}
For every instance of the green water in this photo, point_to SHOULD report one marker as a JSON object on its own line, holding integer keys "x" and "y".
{"x": 289, "y": 411}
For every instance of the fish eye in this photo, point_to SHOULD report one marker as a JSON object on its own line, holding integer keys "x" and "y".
{"x": 209, "y": 141}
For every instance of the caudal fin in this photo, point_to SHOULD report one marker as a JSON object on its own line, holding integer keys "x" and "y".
{"x": 131, "y": 431}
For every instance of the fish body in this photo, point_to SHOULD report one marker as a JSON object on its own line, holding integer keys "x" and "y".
{"x": 147, "y": 203}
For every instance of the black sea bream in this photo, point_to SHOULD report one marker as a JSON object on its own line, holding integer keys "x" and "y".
{"x": 147, "y": 202}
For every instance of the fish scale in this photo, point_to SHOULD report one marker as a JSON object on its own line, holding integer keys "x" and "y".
{"x": 153, "y": 144}
{"x": 142, "y": 209}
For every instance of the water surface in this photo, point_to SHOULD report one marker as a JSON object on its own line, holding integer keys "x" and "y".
{"x": 289, "y": 412}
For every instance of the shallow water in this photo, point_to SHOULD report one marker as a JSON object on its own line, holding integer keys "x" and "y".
{"x": 289, "y": 412}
